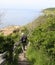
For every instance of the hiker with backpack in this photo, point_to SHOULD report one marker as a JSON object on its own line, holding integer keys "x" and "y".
{"x": 23, "y": 41}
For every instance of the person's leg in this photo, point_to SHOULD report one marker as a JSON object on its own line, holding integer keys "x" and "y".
{"x": 23, "y": 47}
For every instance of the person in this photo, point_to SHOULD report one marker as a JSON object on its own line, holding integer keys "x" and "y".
{"x": 23, "y": 41}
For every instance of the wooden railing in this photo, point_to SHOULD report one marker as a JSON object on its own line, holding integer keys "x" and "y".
{"x": 2, "y": 59}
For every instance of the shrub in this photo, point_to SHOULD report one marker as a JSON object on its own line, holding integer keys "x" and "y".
{"x": 42, "y": 48}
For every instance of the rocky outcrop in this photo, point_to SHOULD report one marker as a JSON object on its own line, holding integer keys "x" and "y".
{"x": 8, "y": 30}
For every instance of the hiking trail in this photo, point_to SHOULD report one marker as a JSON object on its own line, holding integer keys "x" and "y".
{"x": 22, "y": 60}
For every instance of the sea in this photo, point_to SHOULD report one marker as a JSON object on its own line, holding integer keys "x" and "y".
{"x": 17, "y": 16}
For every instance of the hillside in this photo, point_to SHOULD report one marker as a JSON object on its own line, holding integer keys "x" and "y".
{"x": 41, "y": 19}
{"x": 49, "y": 9}
{"x": 42, "y": 41}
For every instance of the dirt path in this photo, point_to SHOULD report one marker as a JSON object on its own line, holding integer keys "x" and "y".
{"x": 22, "y": 59}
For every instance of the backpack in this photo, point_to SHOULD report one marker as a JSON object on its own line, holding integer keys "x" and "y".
{"x": 24, "y": 39}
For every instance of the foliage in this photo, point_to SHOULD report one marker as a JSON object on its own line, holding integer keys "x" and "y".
{"x": 7, "y": 44}
{"x": 2, "y": 43}
{"x": 24, "y": 30}
{"x": 42, "y": 48}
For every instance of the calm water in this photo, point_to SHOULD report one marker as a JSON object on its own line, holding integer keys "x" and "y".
{"x": 18, "y": 17}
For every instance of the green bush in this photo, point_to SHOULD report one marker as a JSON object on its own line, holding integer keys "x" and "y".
{"x": 42, "y": 48}
{"x": 2, "y": 43}
{"x": 7, "y": 44}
